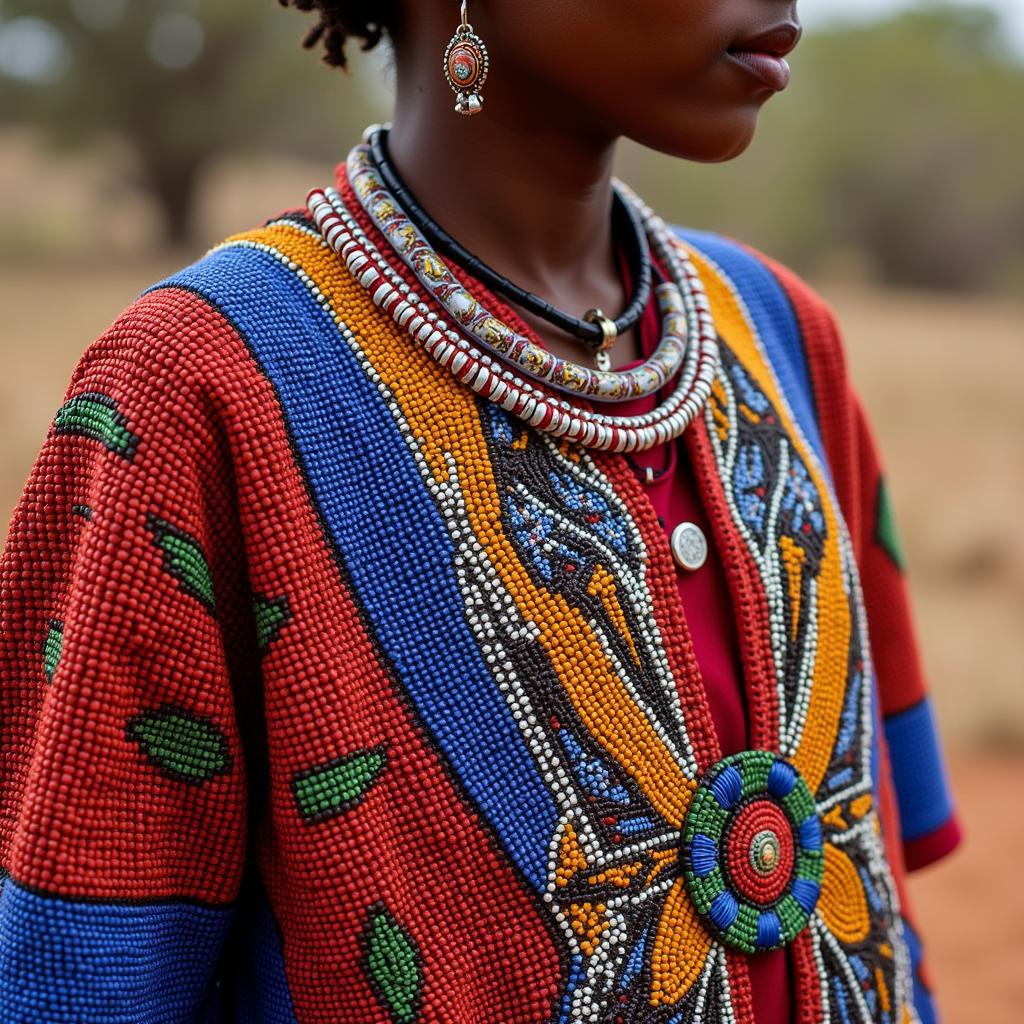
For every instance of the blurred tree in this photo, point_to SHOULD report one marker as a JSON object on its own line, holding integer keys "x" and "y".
{"x": 924, "y": 147}
{"x": 182, "y": 81}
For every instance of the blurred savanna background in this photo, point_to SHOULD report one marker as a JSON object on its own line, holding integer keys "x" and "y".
{"x": 136, "y": 133}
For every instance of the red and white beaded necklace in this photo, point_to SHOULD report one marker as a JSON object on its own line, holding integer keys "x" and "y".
{"x": 481, "y": 360}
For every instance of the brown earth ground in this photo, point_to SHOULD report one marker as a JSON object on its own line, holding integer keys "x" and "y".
{"x": 941, "y": 377}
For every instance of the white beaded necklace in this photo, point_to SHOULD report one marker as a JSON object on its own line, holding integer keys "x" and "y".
{"x": 484, "y": 372}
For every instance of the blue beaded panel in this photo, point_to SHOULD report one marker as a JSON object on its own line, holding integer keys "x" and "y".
{"x": 75, "y": 962}
{"x": 918, "y": 770}
{"x": 922, "y": 996}
{"x": 254, "y": 983}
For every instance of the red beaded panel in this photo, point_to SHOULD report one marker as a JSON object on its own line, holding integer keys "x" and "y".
{"x": 159, "y": 521}
{"x": 122, "y": 772}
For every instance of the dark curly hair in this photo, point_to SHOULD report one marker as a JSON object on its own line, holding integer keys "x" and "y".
{"x": 340, "y": 20}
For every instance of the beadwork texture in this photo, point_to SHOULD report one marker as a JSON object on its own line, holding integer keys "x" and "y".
{"x": 752, "y": 851}
{"x": 332, "y": 691}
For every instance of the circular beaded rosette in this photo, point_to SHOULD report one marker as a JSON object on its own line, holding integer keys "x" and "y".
{"x": 752, "y": 851}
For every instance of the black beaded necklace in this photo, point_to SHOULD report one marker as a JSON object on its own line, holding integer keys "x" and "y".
{"x": 625, "y": 219}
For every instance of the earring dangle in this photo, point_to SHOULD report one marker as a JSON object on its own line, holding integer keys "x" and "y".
{"x": 465, "y": 66}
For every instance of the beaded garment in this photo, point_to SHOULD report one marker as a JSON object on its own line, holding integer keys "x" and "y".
{"x": 330, "y": 691}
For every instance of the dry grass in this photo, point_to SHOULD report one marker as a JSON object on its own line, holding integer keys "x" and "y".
{"x": 969, "y": 906}
{"x": 943, "y": 379}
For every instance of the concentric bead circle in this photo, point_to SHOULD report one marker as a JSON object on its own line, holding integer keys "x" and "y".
{"x": 752, "y": 851}
{"x": 761, "y": 851}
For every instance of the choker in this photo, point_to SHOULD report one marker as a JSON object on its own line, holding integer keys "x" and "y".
{"x": 485, "y": 354}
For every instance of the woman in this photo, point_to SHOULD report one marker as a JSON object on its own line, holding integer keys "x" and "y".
{"x": 386, "y": 640}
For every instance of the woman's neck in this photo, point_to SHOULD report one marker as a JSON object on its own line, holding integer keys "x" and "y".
{"x": 532, "y": 199}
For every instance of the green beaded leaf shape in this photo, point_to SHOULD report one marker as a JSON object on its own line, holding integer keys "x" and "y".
{"x": 325, "y": 790}
{"x": 729, "y": 786}
{"x": 393, "y": 965}
{"x": 96, "y": 415}
{"x": 885, "y": 527}
{"x": 181, "y": 744}
{"x": 184, "y": 560}
{"x": 53, "y": 644}
{"x": 271, "y": 614}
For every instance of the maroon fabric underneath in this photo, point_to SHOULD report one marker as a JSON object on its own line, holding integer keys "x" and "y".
{"x": 709, "y": 615}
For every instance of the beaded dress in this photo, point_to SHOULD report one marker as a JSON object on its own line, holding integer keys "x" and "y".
{"x": 329, "y": 691}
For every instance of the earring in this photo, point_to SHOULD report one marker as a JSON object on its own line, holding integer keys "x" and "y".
{"x": 465, "y": 66}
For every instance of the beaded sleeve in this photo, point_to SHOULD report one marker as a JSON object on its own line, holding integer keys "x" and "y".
{"x": 928, "y": 823}
{"x": 124, "y": 618}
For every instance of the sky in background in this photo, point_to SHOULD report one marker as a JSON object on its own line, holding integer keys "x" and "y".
{"x": 821, "y": 12}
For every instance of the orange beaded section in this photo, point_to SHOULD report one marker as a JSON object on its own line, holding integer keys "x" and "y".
{"x": 793, "y": 557}
{"x": 842, "y": 904}
{"x": 681, "y": 948}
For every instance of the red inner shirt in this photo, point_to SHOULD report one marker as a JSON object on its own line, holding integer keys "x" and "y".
{"x": 710, "y": 617}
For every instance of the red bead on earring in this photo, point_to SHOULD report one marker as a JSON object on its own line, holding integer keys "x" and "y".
{"x": 465, "y": 66}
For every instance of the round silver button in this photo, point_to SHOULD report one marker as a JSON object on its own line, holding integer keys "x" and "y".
{"x": 689, "y": 545}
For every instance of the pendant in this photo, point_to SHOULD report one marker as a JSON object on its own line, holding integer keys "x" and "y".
{"x": 608, "y": 331}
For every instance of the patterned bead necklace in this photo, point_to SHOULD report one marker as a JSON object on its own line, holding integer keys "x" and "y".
{"x": 685, "y": 319}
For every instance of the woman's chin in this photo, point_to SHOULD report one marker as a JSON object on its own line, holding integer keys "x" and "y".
{"x": 706, "y": 139}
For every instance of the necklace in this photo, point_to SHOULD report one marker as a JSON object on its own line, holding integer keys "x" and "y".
{"x": 680, "y": 316}
{"x": 487, "y": 376}
{"x": 478, "y": 370}
{"x": 589, "y": 329}
{"x": 648, "y": 474}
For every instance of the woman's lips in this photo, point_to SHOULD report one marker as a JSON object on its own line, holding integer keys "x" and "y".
{"x": 763, "y": 54}
{"x": 769, "y": 67}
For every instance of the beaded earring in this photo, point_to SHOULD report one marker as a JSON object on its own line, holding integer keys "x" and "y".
{"x": 465, "y": 66}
